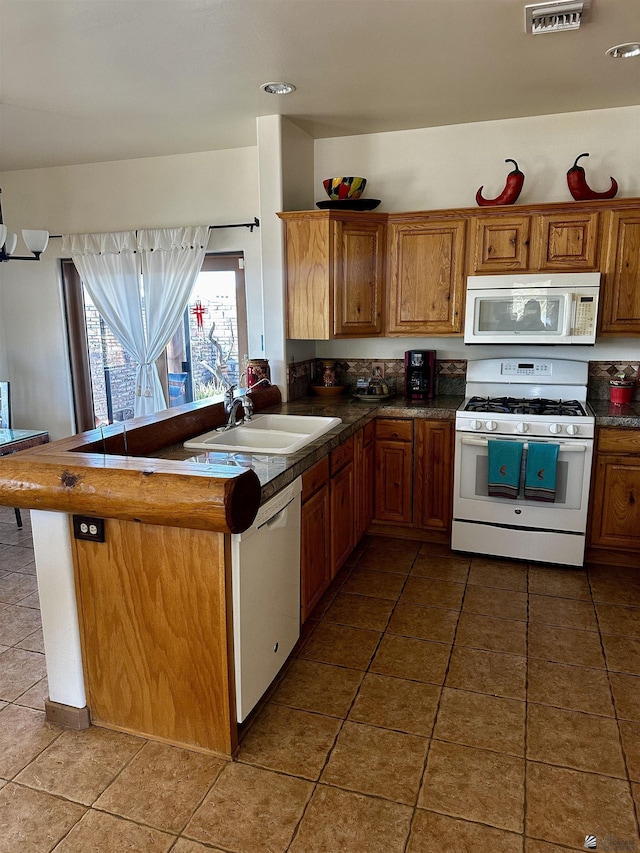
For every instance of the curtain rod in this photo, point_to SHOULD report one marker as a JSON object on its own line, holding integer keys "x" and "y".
{"x": 249, "y": 225}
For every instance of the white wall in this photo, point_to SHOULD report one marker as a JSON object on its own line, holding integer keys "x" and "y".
{"x": 216, "y": 187}
{"x": 442, "y": 167}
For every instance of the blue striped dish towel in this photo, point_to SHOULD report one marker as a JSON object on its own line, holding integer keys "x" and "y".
{"x": 540, "y": 471}
{"x": 505, "y": 460}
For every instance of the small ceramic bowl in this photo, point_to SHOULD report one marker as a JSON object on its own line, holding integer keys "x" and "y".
{"x": 339, "y": 189}
{"x": 328, "y": 390}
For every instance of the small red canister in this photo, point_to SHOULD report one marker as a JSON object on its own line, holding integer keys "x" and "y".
{"x": 257, "y": 370}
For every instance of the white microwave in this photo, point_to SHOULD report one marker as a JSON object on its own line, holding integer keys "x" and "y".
{"x": 535, "y": 308}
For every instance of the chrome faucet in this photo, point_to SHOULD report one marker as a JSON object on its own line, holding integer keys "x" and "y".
{"x": 232, "y": 404}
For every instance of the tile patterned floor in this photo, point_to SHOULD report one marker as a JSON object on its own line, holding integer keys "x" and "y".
{"x": 436, "y": 704}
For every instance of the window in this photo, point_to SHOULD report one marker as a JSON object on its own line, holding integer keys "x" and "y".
{"x": 203, "y": 356}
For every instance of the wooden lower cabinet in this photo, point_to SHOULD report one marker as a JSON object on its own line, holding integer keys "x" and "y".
{"x": 154, "y": 609}
{"x": 315, "y": 545}
{"x": 433, "y": 475}
{"x": 615, "y": 496}
{"x": 341, "y": 491}
{"x": 364, "y": 475}
{"x": 393, "y": 471}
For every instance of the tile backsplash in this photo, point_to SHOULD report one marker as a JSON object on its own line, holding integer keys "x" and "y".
{"x": 450, "y": 376}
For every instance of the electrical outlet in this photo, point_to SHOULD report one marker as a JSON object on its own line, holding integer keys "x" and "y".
{"x": 85, "y": 527}
{"x": 377, "y": 369}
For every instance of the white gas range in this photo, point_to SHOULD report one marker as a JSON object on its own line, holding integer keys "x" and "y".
{"x": 533, "y": 401}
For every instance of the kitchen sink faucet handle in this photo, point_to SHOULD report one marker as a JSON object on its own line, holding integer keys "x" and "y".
{"x": 228, "y": 397}
{"x": 247, "y": 405}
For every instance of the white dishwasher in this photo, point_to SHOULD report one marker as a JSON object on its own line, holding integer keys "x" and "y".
{"x": 265, "y": 562}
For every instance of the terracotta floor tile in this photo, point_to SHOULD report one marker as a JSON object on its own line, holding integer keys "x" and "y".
{"x": 359, "y": 611}
{"x": 424, "y": 623}
{"x": 565, "y": 645}
{"x": 16, "y": 623}
{"x": 311, "y": 686}
{"x": 436, "y": 833}
{"x": 161, "y": 786}
{"x": 491, "y": 633}
{"x": 482, "y": 721}
{"x": 250, "y": 810}
{"x": 184, "y": 845}
{"x": 23, "y": 735}
{"x": 618, "y": 619}
{"x": 395, "y": 703}
{"x": 13, "y": 558}
{"x": 35, "y": 817}
{"x": 339, "y": 821}
{"x": 341, "y": 645}
{"x": 390, "y": 543}
{"x": 289, "y": 741}
{"x": 495, "y": 602}
{"x": 32, "y": 642}
{"x": 405, "y": 657}
{"x": 492, "y": 574}
{"x": 474, "y": 784}
{"x": 562, "y": 612}
{"x": 16, "y": 586}
{"x": 384, "y": 560}
{"x": 573, "y": 739}
{"x": 19, "y": 670}
{"x": 612, "y": 590}
{"x": 531, "y": 845}
{"x": 377, "y": 761}
{"x": 32, "y": 600}
{"x": 487, "y": 672}
{"x": 630, "y": 734}
{"x": 98, "y": 832}
{"x": 35, "y": 696}
{"x": 573, "y": 687}
{"x": 622, "y": 654}
{"x": 432, "y": 592}
{"x": 374, "y": 583}
{"x": 96, "y": 756}
{"x": 453, "y": 569}
{"x": 563, "y": 583}
{"x": 564, "y": 805}
{"x": 626, "y": 695}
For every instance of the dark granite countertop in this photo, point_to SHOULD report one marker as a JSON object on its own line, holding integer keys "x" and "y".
{"x": 277, "y": 471}
{"x": 614, "y": 415}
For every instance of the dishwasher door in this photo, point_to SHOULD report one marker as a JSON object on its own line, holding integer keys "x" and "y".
{"x": 265, "y": 562}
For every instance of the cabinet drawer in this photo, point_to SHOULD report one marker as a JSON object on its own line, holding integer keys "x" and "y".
{"x": 388, "y": 429}
{"x": 315, "y": 478}
{"x": 341, "y": 455}
{"x": 619, "y": 441}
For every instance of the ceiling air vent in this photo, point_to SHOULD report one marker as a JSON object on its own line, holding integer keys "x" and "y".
{"x": 555, "y": 17}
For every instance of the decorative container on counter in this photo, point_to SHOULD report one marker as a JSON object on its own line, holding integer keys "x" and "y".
{"x": 257, "y": 371}
{"x": 621, "y": 388}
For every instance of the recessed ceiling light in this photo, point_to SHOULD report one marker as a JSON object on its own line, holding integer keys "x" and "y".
{"x": 624, "y": 51}
{"x": 278, "y": 88}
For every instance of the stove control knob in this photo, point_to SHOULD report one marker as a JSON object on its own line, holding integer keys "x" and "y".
{"x": 572, "y": 429}
{"x": 555, "y": 428}
{"x": 522, "y": 427}
{"x": 475, "y": 424}
{"x": 491, "y": 426}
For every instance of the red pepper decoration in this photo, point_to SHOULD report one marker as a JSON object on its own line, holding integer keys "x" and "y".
{"x": 579, "y": 188}
{"x": 511, "y": 191}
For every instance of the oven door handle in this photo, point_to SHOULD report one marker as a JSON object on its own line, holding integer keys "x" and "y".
{"x": 565, "y": 447}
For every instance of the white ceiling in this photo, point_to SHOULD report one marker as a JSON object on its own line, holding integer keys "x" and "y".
{"x": 94, "y": 80}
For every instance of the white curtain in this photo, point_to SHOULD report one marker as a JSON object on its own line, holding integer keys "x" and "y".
{"x": 110, "y": 266}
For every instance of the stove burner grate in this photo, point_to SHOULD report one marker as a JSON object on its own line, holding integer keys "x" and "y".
{"x": 525, "y": 406}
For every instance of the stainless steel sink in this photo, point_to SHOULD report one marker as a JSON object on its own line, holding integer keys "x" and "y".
{"x": 266, "y": 434}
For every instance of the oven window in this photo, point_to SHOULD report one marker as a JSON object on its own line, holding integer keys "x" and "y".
{"x": 520, "y": 313}
{"x": 482, "y": 473}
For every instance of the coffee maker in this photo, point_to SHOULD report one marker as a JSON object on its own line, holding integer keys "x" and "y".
{"x": 420, "y": 374}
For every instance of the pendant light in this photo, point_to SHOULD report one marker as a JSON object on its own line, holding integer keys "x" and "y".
{"x": 35, "y": 241}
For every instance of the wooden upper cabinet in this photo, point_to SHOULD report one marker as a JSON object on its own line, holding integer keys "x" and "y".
{"x": 565, "y": 241}
{"x": 426, "y": 275}
{"x": 620, "y": 292}
{"x": 500, "y": 244}
{"x": 334, "y": 263}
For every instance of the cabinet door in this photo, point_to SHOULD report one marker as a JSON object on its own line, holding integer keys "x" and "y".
{"x": 358, "y": 279}
{"x": 615, "y": 511}
{"x": 307, "y": 248}
{"x": 342, "y": 522}
{"x": 565, "y": 241}
{"x": 393, "y": 471}
{"x": 500, "y": 243}
{"x": 364, "y": 462}
{"x": 426, "y": 276}
{"x": 434, "y": 475}
{"x": 315, "y": 549}
{"x": 621, "y": 280}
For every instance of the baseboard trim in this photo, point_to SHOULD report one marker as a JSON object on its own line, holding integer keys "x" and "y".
{"x": 67, "y": 716}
